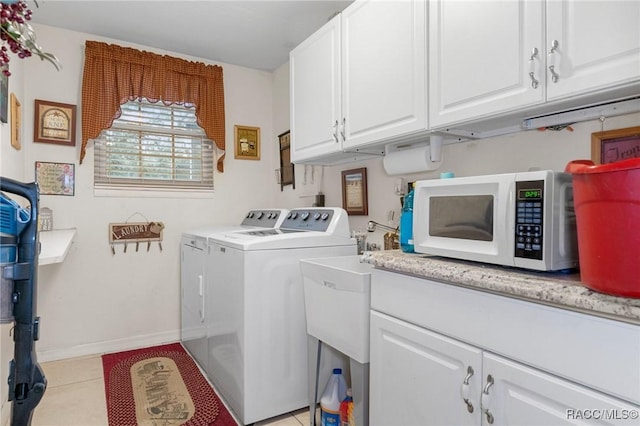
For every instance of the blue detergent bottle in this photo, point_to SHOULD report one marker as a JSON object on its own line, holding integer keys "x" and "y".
{"x": 406, "y": 223}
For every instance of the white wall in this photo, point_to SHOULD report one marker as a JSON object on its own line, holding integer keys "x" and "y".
{"x": 94, "y": 301}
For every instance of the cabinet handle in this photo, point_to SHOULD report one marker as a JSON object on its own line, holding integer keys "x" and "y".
{"x": 465, "y": 389}
{"x": 486, "y": 401}
{"x": 532, "y": 68}
{"x": 551, "y": 60}
{"x": 335, "y": 131}
{"x": 342, "y": 130}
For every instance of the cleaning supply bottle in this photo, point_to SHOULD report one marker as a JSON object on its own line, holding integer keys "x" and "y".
{"x": 406, "y": 223}
{"x": 334, "y": 393}
{"x": 346, "y": 410}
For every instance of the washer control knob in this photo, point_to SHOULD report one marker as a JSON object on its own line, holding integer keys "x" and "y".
{"x": 317, "y": 216}
{"x": 325, "y": 216}
{"x": 260, "y": 214}
{"x": 250, "y": 215}
{"x": 294, "y": 215}
{"x": 304, "y": 215}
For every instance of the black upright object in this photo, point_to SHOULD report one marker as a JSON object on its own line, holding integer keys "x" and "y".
{"x": 26, "y": 379}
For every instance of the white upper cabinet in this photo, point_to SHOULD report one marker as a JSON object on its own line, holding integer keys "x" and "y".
{"x": 597, "y": 45}
{"x": 359, "y": 81}
{"x": 490, "y": 58}
{"x": 315, "y": 94}
{"x": 479, "y": 58}
{"x": 384, "y": 61}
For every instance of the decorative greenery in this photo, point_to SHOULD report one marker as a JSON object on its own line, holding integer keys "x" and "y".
{"x": 16, "y": 32}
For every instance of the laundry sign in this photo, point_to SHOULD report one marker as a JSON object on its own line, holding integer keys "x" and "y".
{"x": 135, "y": 233}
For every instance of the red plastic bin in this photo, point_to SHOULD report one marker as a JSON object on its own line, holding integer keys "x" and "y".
{"x": 607, "y": 206}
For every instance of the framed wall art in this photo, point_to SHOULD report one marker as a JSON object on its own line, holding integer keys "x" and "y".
{"x": 4, "y": 97}
{"x": 615, "y": 145}
{"x": 287, "y": 172}
{"x": 354, "y": 191}
{"x": 16, "y": 122}
{"x": 54, "y": 123}
{"x": 247, "y": 142}
{"x": 55, "y": 178}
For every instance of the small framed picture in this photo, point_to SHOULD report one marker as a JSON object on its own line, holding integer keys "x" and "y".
{"x": 55, "y": 178}
{"x": 247, "y": 142}
{"x": 16, "y": 122}
{"x": 4, "y": 97}
{"x": 354, "y": 191}
{"x": 54, "y": 123}
{"x": 287, "y": 171}
{"x": 615, "y": 145}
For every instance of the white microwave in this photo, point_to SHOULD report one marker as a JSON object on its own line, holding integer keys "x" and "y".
{"x": 525, "y": 220}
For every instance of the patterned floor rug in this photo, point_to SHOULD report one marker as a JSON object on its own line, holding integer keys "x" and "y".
{"x": 160, "y": 386}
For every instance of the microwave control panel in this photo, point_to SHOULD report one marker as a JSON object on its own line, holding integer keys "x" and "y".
{"x": 529, "y": 223}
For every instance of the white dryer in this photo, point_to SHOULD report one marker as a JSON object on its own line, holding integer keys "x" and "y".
{"x": 257, "y": 325}
{"x": 193, "y": 327}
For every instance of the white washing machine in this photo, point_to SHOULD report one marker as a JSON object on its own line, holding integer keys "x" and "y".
{"x": 193, "y": 328}
{"x": 257, "y": 325}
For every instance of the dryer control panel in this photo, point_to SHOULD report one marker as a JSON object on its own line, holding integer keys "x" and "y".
{"x": 264, "y": 218}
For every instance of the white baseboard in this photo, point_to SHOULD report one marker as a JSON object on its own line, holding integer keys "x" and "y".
{"x": 110, "y": 346}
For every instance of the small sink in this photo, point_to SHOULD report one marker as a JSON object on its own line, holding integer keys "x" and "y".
{"x": 337, "y": 298}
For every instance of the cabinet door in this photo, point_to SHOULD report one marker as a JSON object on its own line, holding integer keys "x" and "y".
{"x": 521, "y": 395}
{"x": 479, "y": 58}
{"x": 384, "y": 56}
{"x": 598, "y": 45}
{"x": 416, "y": 376}
{"x": 315, "y": 94}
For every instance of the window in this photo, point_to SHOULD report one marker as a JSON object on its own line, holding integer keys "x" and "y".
{"x": 152, "y": 145}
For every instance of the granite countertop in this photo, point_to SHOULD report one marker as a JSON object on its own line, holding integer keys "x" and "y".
{"x": 557, "y": 289}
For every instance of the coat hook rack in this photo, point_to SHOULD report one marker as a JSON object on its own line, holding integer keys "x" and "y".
{"x": 135, "y": 233}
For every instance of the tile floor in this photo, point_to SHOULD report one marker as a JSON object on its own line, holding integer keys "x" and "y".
{"x": 75, "y": 397}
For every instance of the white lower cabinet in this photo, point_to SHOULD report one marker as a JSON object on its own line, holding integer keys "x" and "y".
{"x": 442, "y": 354}
{"x": 514, "y": 394}
{"x": 416, "y": 376}
{"x": 419, "y": 377}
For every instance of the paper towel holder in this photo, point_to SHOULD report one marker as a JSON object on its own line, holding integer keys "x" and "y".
{"x": 434, "y": 142}
{"x": 414, "y": 157}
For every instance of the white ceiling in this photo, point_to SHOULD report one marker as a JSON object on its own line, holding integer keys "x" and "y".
{"x": 256, "y": 34}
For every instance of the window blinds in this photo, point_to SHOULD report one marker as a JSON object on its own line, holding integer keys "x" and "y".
{"x": 154, "y": 146}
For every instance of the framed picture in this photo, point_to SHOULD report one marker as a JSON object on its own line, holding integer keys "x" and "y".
{"x": 55, "y": 178}
{"x": 247, "y": 142}
{"x": 287, "y": 172}
{"x": 16, "y": 122}
{"x": 615, "y": 145}
{"x": 54, "y": 123}
{"x": 354, "y": 191}
{"x": 4, "y": 97}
